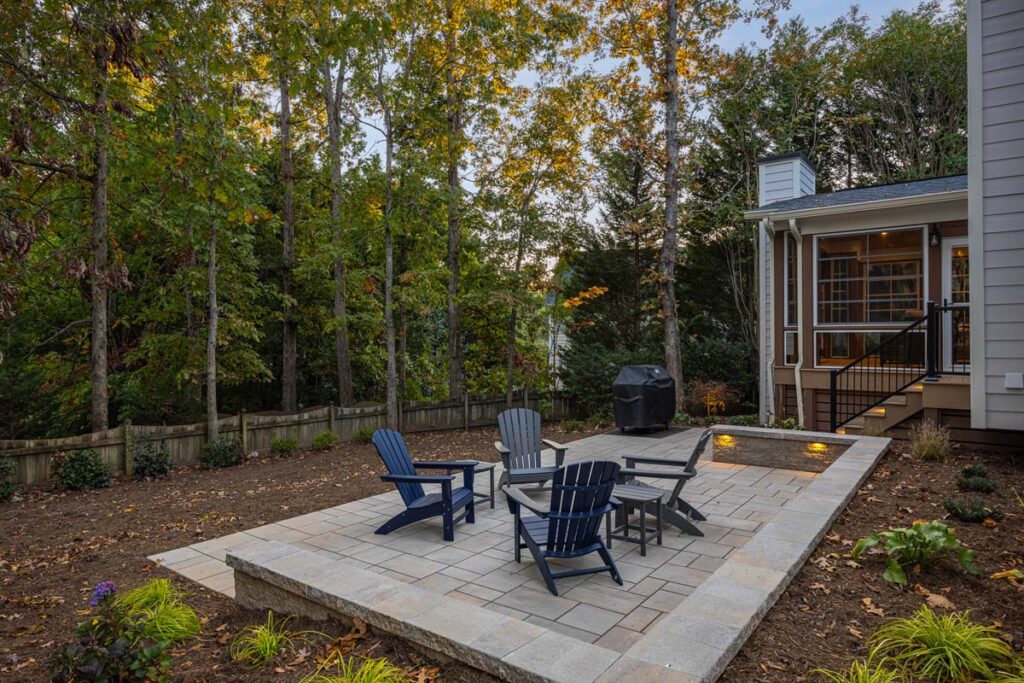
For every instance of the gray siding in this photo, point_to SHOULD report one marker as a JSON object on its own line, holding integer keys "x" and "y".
{"x": 1002, "y": 197}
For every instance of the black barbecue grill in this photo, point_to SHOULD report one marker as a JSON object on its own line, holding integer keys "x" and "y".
{"x": 644, "y": 396}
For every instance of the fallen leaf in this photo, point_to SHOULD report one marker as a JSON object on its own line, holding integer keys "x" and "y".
{"x": 935, "y": 600}
{"x": 855, "y": 633}
{"x": 871, "y": 608}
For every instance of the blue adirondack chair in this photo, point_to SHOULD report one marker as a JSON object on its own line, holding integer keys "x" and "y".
{"x": 520, "y": 448}
{"x": 570, "y": 526}
{"x": 418, "y": 504}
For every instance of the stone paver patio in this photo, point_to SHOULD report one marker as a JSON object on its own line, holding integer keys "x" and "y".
{"x": 685, "y": 609}
{"x": 479, "y": 567}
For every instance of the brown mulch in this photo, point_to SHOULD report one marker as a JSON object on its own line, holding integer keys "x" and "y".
{"x": 832, "y": 606}
{"x": 56, "y": 546}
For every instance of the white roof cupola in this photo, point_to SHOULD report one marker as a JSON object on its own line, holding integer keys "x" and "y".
{"x": 782, "y": 177}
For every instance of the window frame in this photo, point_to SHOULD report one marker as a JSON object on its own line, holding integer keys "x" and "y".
{"x": 830, "y": 330}
{"x": 868, "y": 326}
{"x": 789, "y": 247}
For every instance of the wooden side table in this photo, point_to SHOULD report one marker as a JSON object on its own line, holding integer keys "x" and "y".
{"x": 635, "y": 497}
{"x": 488, "y": 467}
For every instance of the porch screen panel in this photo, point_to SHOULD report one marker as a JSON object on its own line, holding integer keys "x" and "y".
{"x": 871, "y": 278}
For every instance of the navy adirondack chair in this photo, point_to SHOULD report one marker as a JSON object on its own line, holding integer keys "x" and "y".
{"x": 418, "y": 504}
{"x": 581, "y": 495}
{"x": 674, "y": 509}
{"x": 520, "y": 448}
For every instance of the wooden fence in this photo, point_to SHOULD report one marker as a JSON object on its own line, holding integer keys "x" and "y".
{"x": 185, "y": 443}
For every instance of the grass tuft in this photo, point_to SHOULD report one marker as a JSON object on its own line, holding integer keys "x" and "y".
{"x": 861, "y": 672}
{"x": 941, "y": 648}
{"x": 160, "y": 603}
{"x": 930, "y": 442}
{"x": 369, "y": 671}
{"x": 260, "y": 644}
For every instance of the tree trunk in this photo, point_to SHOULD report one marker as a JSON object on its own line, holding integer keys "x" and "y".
{"x": 211, "y": 336}
{"x": 453, "y": 105}
{"x": 332, "y": 102}
{"x": 667, "y": 262}
{"x": 389, "y": 275}
{"x": 510, "y": 363}
{"x": 289, "y": 333}
{"x": 99, "y": 283}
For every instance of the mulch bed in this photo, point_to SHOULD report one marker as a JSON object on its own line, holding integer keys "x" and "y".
{"x": 56, "y": 546}
{"x": 832, "y": 606}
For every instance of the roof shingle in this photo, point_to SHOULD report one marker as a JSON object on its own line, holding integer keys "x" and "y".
{"x": 876, "y": 193}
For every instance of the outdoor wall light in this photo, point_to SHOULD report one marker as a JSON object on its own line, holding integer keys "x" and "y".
{"x": 934, "y": 238}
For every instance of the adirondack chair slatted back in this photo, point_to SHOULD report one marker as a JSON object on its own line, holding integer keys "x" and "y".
{"x": 520, "y": 433}
{"x": 691, "y": 465}
{"x": 392, "y": 450}
{"x": 579, "y": 501}
{"x": 698, "y": 450}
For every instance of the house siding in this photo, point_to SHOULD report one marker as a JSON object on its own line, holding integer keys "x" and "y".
{"x": 997, "y": 93}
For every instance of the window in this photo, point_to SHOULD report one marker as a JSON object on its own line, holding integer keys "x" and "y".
{"x": 871, "y": 278}
{"x": 836, "y": 349}
{"x": 789, "y": 290}
{"x": 791, "y": 356}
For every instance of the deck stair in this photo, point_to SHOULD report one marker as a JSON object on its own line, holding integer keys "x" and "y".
{"x": 886, "y": 385}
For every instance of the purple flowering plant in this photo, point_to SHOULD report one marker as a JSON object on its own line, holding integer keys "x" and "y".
{"x": 102, "y": 591}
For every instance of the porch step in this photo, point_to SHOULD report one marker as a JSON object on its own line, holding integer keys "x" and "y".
{"x": 890, "y": 413}
{"x": 895, "y": 400}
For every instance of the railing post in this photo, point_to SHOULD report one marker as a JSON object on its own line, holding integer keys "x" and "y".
{"x": 932, "y": 344}
{"x": 832, "y": 401}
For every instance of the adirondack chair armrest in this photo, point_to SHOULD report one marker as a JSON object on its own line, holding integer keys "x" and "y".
{"x": 417, "y": 478}
{"x": 631, "y": 461}
{"x": 517, "y": 497}
{"x": 438, "y": 465}
{"x": 558, "y": 448}
{"x": 505, "y": 454}
{"x": 631, "y": 473}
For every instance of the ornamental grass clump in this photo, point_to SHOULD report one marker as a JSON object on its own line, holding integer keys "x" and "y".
{"x": 941, "y": 648}
{"x": 365, "y": 671}
{"x": 930, "y": 442}
{"x": 259, "y": 644}
{"x": 160, "y": 604}
{"x": 861, "y": 672}
{"x": 915, "y": 548}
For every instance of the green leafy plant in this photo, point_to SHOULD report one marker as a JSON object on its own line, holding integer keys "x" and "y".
{"x": 161, "y": 604}
{"x": 786, "y": 423}
{"x": 930, "y": 442}
{"x": 744, "y": 420}
{"x": 367, "y": 671}
{"x": 260, "y": 644}
{"x": 710, "y": 420}
{"x": 573, "y": 425}
{"x": 284, "y": 446}
{"x": 112, "y": 645}
{"x": 151, "y": 459}
{"x": 363, "y": 435}
{"x": 223, "y": 452}
{"x": 975, "y": 478}
{"x": 598, "y": 421}
{"x": 860, "y": 672}
{"x": 971, "y": 509}
{"x": 83, "y": 470}
{"x": 941, "y": 648}
{"x": 682, "y": 419}
{"x": 7, "y": 470}
{"x": 915, "y": 548}
{"x": 324, "y": 440}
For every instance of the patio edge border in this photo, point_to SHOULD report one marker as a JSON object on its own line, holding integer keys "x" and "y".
{"x": 718, "y": 617}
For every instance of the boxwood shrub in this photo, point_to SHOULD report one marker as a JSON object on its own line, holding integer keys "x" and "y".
{"x": 83, "y": 470}
{"x": 222, "y": 452}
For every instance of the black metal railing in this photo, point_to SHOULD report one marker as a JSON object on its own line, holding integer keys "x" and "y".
{"x": 924, "y": 350}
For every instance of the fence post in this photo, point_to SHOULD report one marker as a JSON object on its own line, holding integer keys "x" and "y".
{"x": 243, "y": 431}
{"x": 526, "y": 397}
{"x": 332, "y": 419}
{"x": 465, "y": 410}
{"x": 129, "y": 448}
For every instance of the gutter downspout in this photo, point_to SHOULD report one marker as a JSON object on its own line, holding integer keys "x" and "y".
{"x": 767, "y": 283}
{"x": 799, "y": 320}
